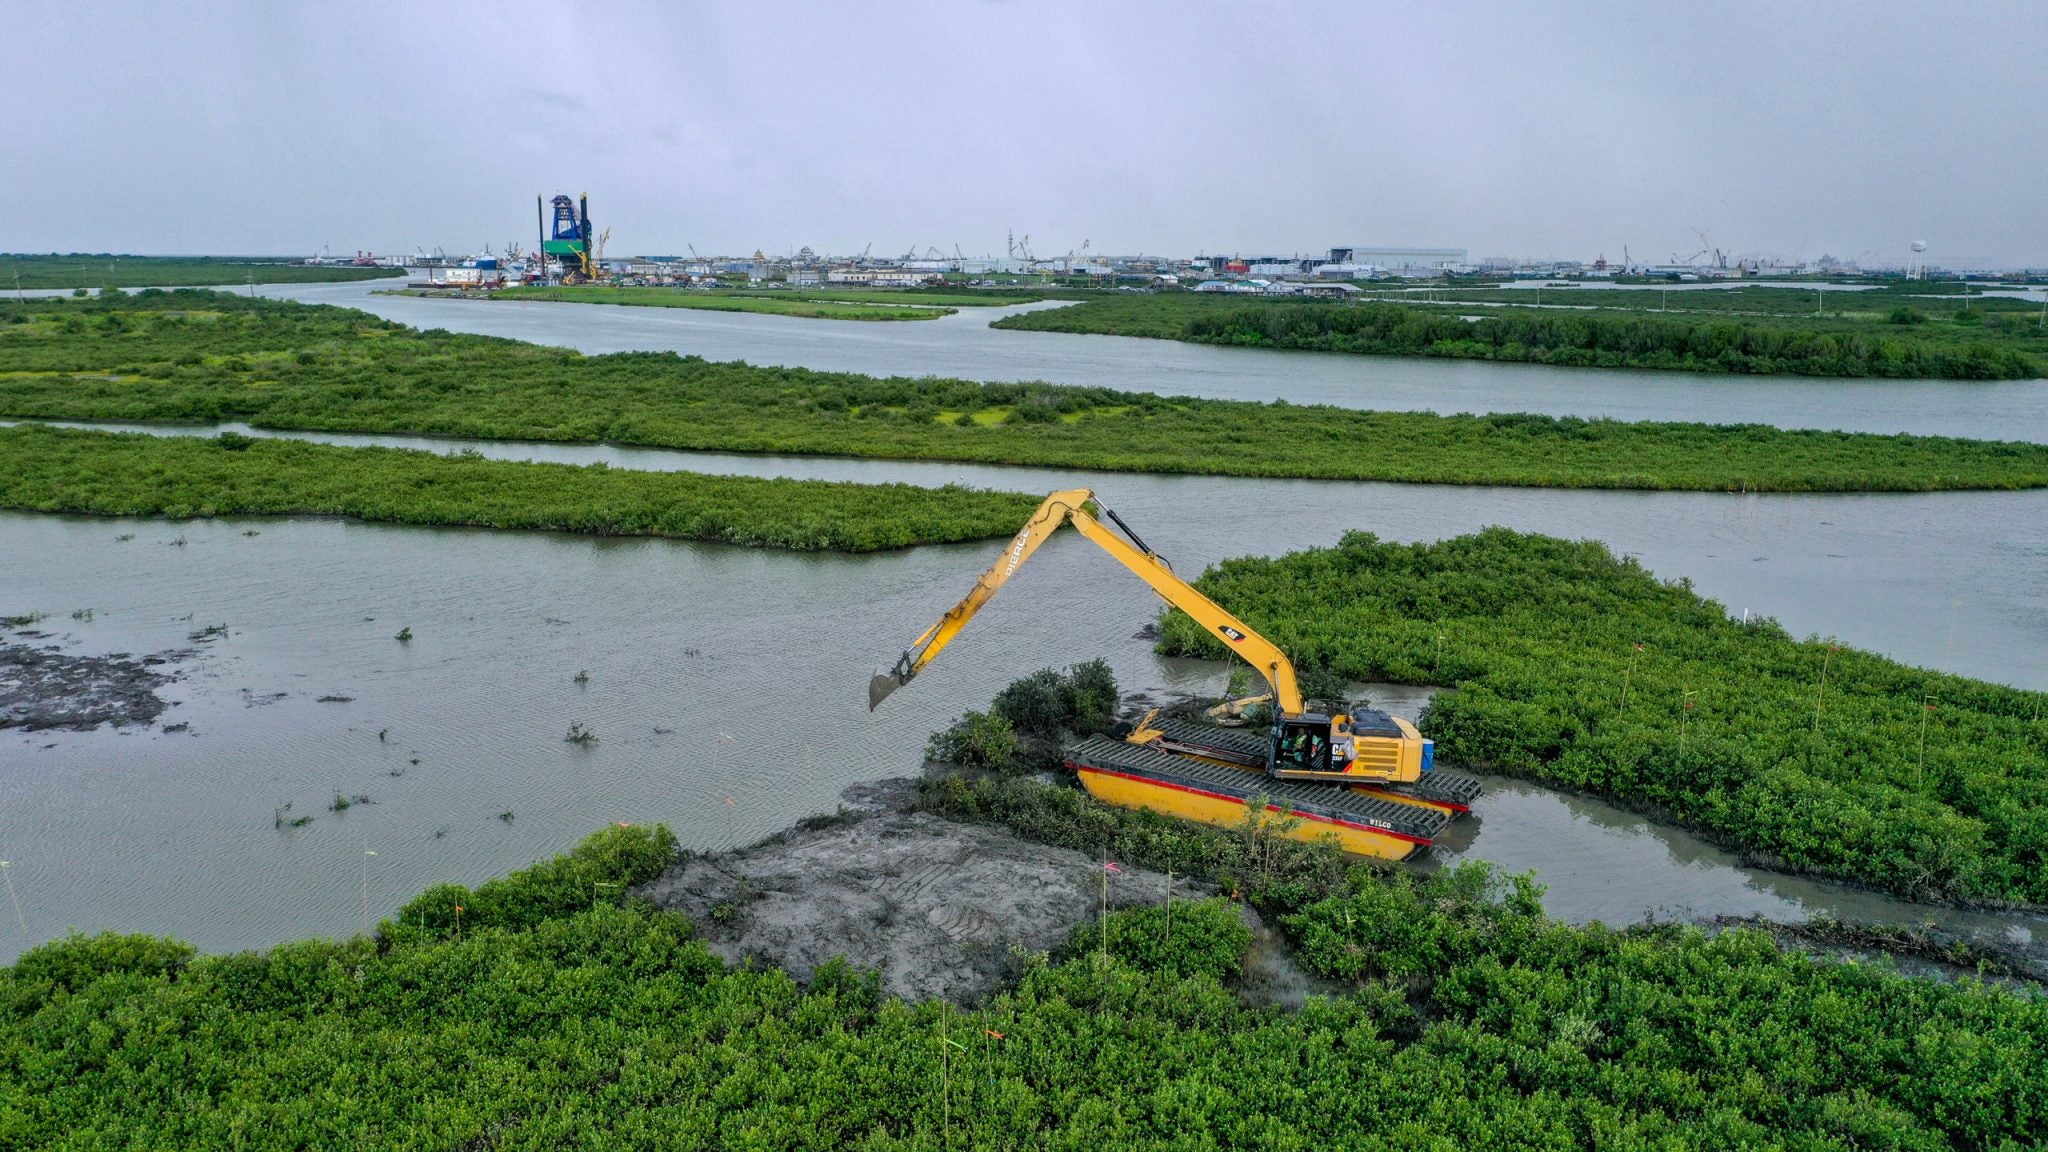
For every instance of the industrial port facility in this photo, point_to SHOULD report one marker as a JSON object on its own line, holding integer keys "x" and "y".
{"x": 569, "y": 249}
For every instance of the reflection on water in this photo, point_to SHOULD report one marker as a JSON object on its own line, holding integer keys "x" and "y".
{"x": 1599, "y": 862}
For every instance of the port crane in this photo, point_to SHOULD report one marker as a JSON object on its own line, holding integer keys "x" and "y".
{"x": 1706, "y": 249}
{"x": 1369, "y": 778}
{"x": 570, "y": 243}
{"x": 1720, "y": 257}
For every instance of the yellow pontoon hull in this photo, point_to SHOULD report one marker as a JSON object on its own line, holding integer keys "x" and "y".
{"x": 1206, "y": 806}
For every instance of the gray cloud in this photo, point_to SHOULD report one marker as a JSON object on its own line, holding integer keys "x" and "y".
{"x": 1556, "y": 129}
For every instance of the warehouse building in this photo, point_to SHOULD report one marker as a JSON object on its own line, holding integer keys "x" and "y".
{"x": 1399, "y": 260}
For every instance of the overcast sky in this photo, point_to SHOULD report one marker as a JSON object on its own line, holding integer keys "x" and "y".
{"x": 1507, "y": 128}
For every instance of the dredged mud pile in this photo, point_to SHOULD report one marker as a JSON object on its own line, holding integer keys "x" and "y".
{"x": 43, "y": 688}
{"x": 940, "y": 909}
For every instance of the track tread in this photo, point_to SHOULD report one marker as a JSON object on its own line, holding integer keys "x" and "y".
{"x": 1424, "y": 824}
{"x": 1440, "y": 787}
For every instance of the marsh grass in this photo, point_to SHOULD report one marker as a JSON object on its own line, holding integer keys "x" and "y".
{"x": 373, "y": 376}
{"x": 1755, "y": 331}
{"x": 1569, "y": 665}
{"x": 52, "y": 271}
{"x": 62, "y": 470}
{"x": 553, "y": 1007}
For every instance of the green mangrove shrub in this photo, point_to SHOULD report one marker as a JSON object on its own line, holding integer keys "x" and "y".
{"x": 551, "y": 1018}
{"x": 209, "y": 357}
{"x": 1570, "y": 665}
{"x": 76, "y": 471}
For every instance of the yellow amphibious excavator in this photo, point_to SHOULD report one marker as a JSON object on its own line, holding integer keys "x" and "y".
{"x": 1366, "y": 778}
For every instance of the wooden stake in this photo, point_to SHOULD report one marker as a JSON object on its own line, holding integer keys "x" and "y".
{"x": 1628, "y": 675}
{"x": 1684, "y": 714}
{"x": 1821, "y": 693}
{"x": 366, "y": 884}
{"x": 1927, "y": 710}
{"x": 7, "y": 871}
{"x": 1105, "y": 901}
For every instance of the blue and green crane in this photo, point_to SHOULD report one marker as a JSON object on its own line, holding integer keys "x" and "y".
{"x": 571, "y": 241}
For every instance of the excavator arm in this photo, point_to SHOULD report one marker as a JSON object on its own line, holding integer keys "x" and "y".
{"x": 1262, "y": 654}
{"x": 1071, "y": 506}
{"x": 1037, "y": 530}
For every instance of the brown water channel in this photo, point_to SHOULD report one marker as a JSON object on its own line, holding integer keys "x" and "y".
{"x": 717, "y": 672}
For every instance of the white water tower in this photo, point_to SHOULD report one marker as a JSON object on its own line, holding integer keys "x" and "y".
{"x": 1919, "y": 265}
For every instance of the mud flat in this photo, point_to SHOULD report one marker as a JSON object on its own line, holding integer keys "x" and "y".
{"x": 1917, "y": 950}
{"x": 940, "y": 909}
{"x": 44, "y": 688}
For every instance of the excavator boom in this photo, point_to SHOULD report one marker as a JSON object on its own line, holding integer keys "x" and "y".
{"x": 1051, "y": 513}
{"x": 1071, "y": 507}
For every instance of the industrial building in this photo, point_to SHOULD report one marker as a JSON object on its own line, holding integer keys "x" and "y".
{"x": 1278, "y": 268}
{"x": 570, "y": 249}
{"x": 879, "y": 277}
{"x": 1401, "y": 260}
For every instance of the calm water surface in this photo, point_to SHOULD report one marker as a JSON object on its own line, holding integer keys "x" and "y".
{"x": 1957, "y": 581}
{"x": 719, "y": 673}
{"x": 962, "y": 345}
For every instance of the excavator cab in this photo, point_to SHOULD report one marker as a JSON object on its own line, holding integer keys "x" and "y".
{"x": 1301, "y": 743}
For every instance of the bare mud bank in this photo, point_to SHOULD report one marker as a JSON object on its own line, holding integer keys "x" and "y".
{"x": 42, "y": 687}
{"x": 939, "y": 909}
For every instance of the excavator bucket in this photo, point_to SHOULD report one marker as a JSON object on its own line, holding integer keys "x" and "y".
{"x": 880, "y": 687}
{"x": 896, "y": 677}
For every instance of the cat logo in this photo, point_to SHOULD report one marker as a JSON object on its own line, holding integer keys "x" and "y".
{"x": 1233, "y": 633}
